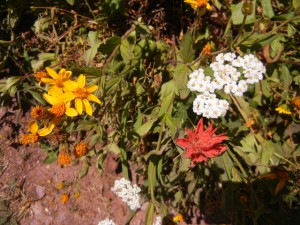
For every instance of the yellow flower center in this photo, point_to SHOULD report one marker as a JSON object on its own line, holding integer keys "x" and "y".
{"x": 29, "y": 139}
{"x": 207, "y": 49}
{"x": 81, "y": 93}
{"x": 59, "y": 82}
{"x": 58, "y": 109}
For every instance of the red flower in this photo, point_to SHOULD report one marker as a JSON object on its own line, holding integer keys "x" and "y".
{"x": 200, "y": 144}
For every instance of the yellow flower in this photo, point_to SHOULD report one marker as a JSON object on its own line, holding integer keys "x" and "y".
{"x": 77, "y": 194}
{"x": 207, "y": 49}
{"x": 35, "y": 132}
{"x": 283, "y": 109}
{"x": 81, "y": 93}
{"x": 57, "y": 80}
{"x": 178, "y": 218}
{"x": 60, "y": 102}
{"x": 198, "y": 3}
{"x": 60, "y": 185}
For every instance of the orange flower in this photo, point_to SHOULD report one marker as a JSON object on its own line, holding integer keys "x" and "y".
{"x": 200, "y": 144}
{"x": 207, "y": 49}
{"x": 40, "y": 113}
{"x": 64, "y": 158}
{"x": 178, "y": 218}
{"x": 64, "y": 198}
{"x": 80, "y": 150}
{"x": 296, "y": 102}
{"x": 39, "y": 75}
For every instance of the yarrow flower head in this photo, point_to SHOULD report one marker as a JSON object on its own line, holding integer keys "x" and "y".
{"x": 201, "y": 144}
{"x": 106, "y": 222}
{"x": 231, "y": 73}
{"x": 128, "y": 193}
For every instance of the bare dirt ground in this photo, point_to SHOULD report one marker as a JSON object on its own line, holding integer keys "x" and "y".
{"x": 29, "y": 193}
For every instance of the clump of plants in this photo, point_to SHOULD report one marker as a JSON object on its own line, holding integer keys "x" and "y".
{"x": 203, "y": 104}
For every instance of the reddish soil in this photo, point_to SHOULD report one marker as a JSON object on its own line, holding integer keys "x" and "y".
{"x": 28, "y": 187}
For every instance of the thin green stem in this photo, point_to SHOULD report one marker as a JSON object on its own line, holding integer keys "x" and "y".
{"x": 90, "y": 9}
{"x": 288, "y": 161}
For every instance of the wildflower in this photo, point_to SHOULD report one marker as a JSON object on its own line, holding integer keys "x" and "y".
{"x": 296, "y": 102}
{"x": 128, "y": 193}
{"x": 39, "y": 75}
{"x": 64, "y": 198}
{"x": 201, "y": 145}
{"x": 178, "y": 218}
{"x": 198, "y": 3}
{"x": 60, "y": 185}
{"x": 283, "y": 109}
{"x": 80, "y": 150}
{"x": 77, "y": 195}
{"x": 40, "y": 113}
{"x": 60, "y": 102}
{"x": 35, "y": 133}
{"x": 158, "y": 221}
{"x": 106, "y": 222}
{"x": 207, "y": 49}
{"x": 64, "y": 158}
{"x": 210, "y": 106}
{"x": 82, "y": 93}
{"x": 250, "y": 123}
{"x": 57, "y": 80}
{"x": 278, "y": 173}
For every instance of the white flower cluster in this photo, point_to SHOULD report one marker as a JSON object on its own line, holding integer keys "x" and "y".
{"x": 106, "y": 222}
{"x": 128, "y": 193}
{"x": 231, "y": 73}
{"x": 158, "y": 221}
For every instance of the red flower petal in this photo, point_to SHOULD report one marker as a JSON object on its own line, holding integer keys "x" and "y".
{"x": 202, "y": 144}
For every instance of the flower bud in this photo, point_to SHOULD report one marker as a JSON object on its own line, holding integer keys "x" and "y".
{"x": 247, "y": 8}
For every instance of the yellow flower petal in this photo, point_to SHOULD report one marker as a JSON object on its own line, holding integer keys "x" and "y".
{"x": 88, "y": 107}
{"x": 78, "y": 105}
{"x": 81, "y": 81}
{"x": 48, "y": 81}
{"x": 33, "y": 127}
{"x": 55, "y": 91}
{"x": 48, "y": 129}
{"x": 92, "y": 88}
{"x": 71, "y": 112}
{"x": 50, "y": 99}
{"x": 66, "y": 97}
{"x": 94, "y": 98}
{"x": 52, "y": 73}
{"x": 70, "y": 85}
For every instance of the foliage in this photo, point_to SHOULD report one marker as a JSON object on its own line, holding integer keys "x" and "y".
{"x": 141, "y": 65}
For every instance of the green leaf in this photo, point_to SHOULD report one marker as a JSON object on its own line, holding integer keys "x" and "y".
{"x": 113, "y": 147}
{"x": 267, "y": 8}
{"x": 71, "y": 2}
{"x": 187, "y": 52}
{"x": 296, "y": 4}
{"x": 173, "y": 124}
{"x": 149, "y": 214}
{"x": 237, "y": 15}
{"x": 127, "y": 47}
{"x": 166, "y": 105}
{"x": 51, "y": 157}
{"x": 94, "y": 42}
{"x": 285, "y": 76}
{"x": 144, "y": 129}
{"x": 152, "y": 164}
{"x": 180, "y": 76}
{"x": 109, "y": 45}
{"x": 84, "y": 169}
